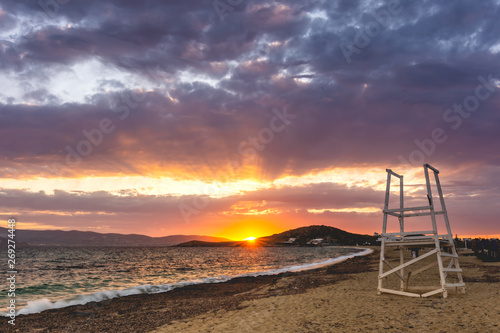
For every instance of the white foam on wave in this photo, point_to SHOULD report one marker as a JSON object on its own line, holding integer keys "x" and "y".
{"x": 304, "y": 267}
{"x": 46, "y": 304}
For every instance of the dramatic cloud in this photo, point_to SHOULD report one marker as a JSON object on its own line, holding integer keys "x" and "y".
{"x": 256, "y": 91}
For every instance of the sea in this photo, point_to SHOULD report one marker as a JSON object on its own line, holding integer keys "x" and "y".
{"x": 56, "y": 277}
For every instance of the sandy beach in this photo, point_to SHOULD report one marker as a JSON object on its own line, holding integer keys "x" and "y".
{"x": 336, "y": 298}
{"x": 352, "y": 305}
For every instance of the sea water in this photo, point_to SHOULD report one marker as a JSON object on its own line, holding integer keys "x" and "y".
{"x": 58, "y": 277}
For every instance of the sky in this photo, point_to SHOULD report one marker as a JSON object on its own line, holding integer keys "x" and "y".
{"x": 239, "y": 118}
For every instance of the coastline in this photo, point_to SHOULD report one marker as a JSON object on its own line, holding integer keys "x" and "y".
{"x": 339, "y": 297}
{"x": 43, "y": 304}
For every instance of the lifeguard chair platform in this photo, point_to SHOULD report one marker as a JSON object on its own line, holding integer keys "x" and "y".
{"x": 438, "y": 259}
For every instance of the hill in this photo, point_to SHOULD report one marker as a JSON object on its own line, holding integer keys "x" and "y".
{"x": 305, "y": 234}
{"x": 90, "y": 238}
{"x": 302, "y": 237}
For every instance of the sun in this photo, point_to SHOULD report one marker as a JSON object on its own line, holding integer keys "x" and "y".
{"x": 250, "y": 239}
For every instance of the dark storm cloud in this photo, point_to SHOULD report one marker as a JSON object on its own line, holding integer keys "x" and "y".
{"x": 123, "y": 211}
{"x": 206, "y": 127}
{"x": 425, "y": 58}
{"x": 41, "y": 96}
{"x": 7, "y": 21}
{"x": 317, "y": 196}
{"x": 94, "y": 202}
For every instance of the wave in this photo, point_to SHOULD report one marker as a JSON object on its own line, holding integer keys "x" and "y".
{"x": 43, "y": 304}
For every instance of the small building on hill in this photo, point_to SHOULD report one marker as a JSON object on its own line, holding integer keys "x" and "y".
{"x": 315, "y": 241}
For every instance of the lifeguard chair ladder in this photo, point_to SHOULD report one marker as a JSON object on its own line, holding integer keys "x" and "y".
{"x": 427, "y": 239}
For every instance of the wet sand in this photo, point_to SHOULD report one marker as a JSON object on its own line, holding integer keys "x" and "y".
{"x": 337, "y": 298}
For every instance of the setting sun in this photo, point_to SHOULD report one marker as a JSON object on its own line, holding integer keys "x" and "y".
{"x": 250, "y": 239}
{"x": 249, "y": 225}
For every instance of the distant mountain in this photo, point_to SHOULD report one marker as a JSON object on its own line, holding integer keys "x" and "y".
{"x": 90, "y": 238}
{"x": 4, "y": 241}
{"x": 301, "y": 235}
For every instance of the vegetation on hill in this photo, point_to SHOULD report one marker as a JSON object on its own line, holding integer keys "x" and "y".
{"x": 305, "y": 234}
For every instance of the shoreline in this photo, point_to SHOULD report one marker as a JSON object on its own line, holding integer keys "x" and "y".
{"x": 44, "y": 304}
{"x": 335, "y": 261}
{"x": 188, "y": 300}
{"x": 336, "y": 298}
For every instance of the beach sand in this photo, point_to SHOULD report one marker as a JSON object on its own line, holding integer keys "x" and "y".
{"x": 352, "y": 305}
{"x": 337, "y": 298}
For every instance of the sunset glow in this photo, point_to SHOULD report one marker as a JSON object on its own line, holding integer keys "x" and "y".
{"x": 250, "y": 163}
{"x": 200, "y": 129}
{"x": 245, "y": 225}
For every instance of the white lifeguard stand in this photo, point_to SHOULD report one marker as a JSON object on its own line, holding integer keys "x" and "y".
{"x": 439, "y": 247}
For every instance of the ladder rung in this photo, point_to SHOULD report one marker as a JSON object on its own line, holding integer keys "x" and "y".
{"x": 453, "y": 285}
{"x": 420, "y": 214}
{"x": 415, "y": 214}
{"x": 458, "y": 270}
{"x": 444, "y": 254}
{"x": 409, "y": 209}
